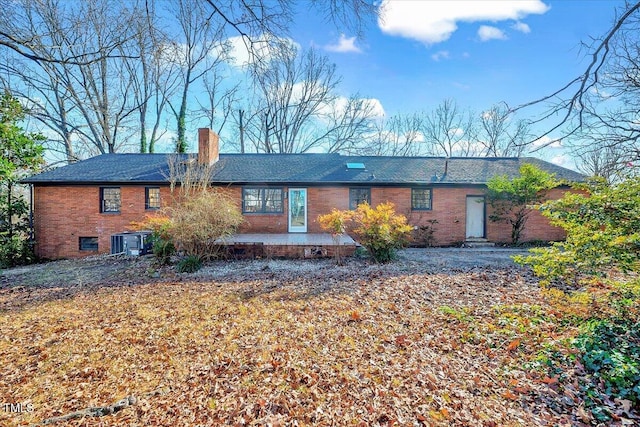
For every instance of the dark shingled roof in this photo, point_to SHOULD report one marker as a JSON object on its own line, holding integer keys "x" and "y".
{"x": 299, "y": 169}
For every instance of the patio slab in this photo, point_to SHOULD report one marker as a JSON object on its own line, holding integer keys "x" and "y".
{"x": 289, "y": 239}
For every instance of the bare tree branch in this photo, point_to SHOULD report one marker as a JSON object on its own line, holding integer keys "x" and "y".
{"x": 575, "y": 104}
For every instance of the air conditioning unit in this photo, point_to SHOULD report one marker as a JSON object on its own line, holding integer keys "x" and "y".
{"x": 138, "y": 243}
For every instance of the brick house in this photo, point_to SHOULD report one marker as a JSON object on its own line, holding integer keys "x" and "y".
{"x": 78, "y": 207}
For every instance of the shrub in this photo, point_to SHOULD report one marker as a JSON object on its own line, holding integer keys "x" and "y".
{"x": 381, "y": 230}
{"x": 163, "y": 250}
{"x": 21, "y": 153}
{"x": 423, "y": 235}
{"x": 512, "y": 199}
{"x": 201, "y": 222}
{"x": 189, "y": 264}
{"x": 336, "y": 223}
{"x": 194, "y": 226}
{"x": 603, "y": 239}
{"x": 160, "y": 226}
{"x": 603, "y": 233}
{"x": 17, "y": 250}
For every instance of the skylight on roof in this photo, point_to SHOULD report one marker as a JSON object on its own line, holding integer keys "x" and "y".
{"x": 355, "y": 165}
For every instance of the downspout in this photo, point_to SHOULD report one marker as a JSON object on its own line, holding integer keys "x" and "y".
{"x": 31, "y": 225}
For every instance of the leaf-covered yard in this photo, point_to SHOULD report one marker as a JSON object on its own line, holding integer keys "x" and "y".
{"x": 286, "y": 343}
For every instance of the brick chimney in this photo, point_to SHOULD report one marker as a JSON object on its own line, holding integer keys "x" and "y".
{"x": 208, "y": 148}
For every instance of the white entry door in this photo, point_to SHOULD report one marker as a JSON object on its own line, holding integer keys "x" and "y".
{"x": 475, "y": 217}
{"x": 297, "y": 210}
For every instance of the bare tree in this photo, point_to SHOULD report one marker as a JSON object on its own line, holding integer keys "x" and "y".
{"x": 153, "y": 79}
{"x": 570, "y": 108}
{"x": 499, "y": 136}
{"x": 196, "y": 49}
{"x": 260, "y": 21}
{"x": 88, "y": 105}
{"x": 348, "y": 121}
{"x": 449, "y": 131}
{"x": 609, "y": 163}
{"x": 298, "y": 108}
{"x": 399, "y": 135}
{"x": 221, "y": 99}
{"x": 106, "y": 75}
{"x": 22, "y": 42}
{"x": 293, "y": 88}
{"x": 599, "y": 154}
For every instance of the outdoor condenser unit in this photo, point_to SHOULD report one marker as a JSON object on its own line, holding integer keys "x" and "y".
{"x": 138, "y": 243}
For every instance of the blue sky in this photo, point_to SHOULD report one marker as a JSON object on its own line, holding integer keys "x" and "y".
{"x": 478, "y": 53}
{"x": 407, "y": 73}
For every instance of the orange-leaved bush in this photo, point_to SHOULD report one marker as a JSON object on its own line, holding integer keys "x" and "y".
{"x": 380, "y": 230}
{"x": 336, "y": 222}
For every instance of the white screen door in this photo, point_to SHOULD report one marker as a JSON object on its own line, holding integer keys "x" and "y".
{"x": 475, "y": 217}
{"x": 297, "y": 210}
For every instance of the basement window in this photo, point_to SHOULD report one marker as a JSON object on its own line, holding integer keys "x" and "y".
{"x": 262, "y": 200}
{"x": 421, "y": 199}
{"x": 152, "y": 198}
{"x": 88, "y": 244}
{"x": 110, "y": 200}
{"x": 358, "y": 196}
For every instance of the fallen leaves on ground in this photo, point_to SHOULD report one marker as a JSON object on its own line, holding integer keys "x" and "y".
{"x": 357, "y": 345}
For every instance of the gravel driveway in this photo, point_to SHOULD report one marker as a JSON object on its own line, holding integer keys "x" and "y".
{"x": 462, "y": 258}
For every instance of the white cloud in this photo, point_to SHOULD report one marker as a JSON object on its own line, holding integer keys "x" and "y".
{"x": 344, "y": 45}
{"x": 486, "y": 33}
{"x": 242, "y": 53}
{"x": 522, "y": 27}
{"x": 435, "y": 21}
{"x": 441, "y": 54}
{"x": 601, "y": 93}
{"x": 376, "y": 107}
{"x": 487, "y": 115}
{"x": 455, "y": 132}
{"x": 548, "y": 142}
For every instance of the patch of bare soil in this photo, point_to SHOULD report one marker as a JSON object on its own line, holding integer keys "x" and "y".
{"x": 65, "y": 278}
{"x": 62, "y": 279}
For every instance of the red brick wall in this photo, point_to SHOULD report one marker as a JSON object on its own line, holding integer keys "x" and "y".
{"x": 538, "y": 228}
{"x": 65, "y": 213}
{"x": 448, "y": 208}
{"x": 62, "y": 214}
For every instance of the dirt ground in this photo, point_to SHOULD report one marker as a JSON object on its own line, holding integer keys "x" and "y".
{"x": 108, "y": 270}
{"x": 56, "y": 280}
{"x": 461, "y": 258}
